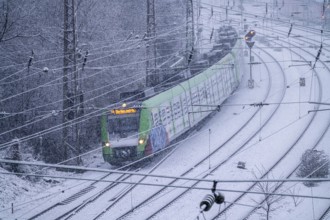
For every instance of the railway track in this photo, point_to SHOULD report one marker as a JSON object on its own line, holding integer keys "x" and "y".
{"x": 232, "y": 204}
{"x": 222, "y": 163}
{"x": 68, "y": 216}
{"x": 59, "y": 210}
{"x": 325, "y": 130}
{"x": 142, "y": 203}
{"x": 325, "y": 215}
{"x": 123, "y": 193}
{"x": 73, "y": 212}
{"x": 313, "y": 147}
{"x": 78, "y": 195}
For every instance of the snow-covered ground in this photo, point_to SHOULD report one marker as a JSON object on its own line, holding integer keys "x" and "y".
{"x": 261, "y": 152}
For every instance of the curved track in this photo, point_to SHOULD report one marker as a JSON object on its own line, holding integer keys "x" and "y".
{"x": 232, "y": 204}
{"x": 176, "y": 197}
{"x": 323, "y": 133}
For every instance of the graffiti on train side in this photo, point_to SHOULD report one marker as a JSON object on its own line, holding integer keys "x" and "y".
{"x": 158, "y": 138}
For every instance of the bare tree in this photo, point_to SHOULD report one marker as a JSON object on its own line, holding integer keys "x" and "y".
{"x": 14, "y": 153}
{"x": 296, "y": 200}
{"x": 269, "y": 203}
{"x": 12, "y": 15}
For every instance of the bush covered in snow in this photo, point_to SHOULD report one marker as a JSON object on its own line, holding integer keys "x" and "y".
{"x": 314, "y": 164}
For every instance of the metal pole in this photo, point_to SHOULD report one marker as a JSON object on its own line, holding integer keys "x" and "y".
{"x": 151, "y": 63}
{"x": 209, "y": 148}
{"x": 251, "y": 82}
{"x": 250, "y": 64}
{"x": 313, "y": 204}
{"x": 70, "y": 77}
{"x": 299, "y": 101}
{"x": 260, "y": 123}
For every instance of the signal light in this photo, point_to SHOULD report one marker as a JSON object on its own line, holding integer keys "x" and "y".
{"x": 249, "y": 35}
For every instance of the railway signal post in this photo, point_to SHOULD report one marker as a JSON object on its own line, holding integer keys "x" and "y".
{"x": 248, "y": 40}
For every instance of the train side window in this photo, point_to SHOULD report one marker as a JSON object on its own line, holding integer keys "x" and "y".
{"x": 202, "y": 93}
{"x": 177, "y": 110}
{"x": 195, "y": 97}
{"x": 168, "y": 114}
{"x": 188, "y": 103}
{"x": 174, "y": 110}
{"x": 184, "y": 105}
{"x": 163, "y": 115}
{"x": 156, "y": 119}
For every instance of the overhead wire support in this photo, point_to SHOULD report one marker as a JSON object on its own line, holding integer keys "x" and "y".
{"x": 30, "y": 61}
{"x": 70, "y": 134}
{"x": 259, "y": 104}
{"x": 151, "y": 63}
{"x": 319, "y": 110}
{"x": 305, "y": 63}
{"x": 318, "y": 55}
{"x": 190, "y": 31}
{"x": 290, "y": 30}
{"x": 85, "y": 61}
{"x": 319, "y": 103}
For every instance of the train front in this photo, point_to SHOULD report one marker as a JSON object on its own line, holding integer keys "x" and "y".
{"x": 120, "y": 134}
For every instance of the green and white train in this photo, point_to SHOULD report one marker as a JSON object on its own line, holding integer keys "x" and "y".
{"x": 140, "y": 128}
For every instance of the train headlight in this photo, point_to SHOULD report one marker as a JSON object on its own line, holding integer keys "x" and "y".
{"x": 141, "y": 141}
{"x": 107, "y": 144}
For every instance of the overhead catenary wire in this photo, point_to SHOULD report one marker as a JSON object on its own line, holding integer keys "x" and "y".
{"x": 130, "y": 164}
{"x": 227, "y": 201}
{"x": 253, "y": 15}
{"x": 133, "y": 46}
{"x": 60, "y": 77}
{"x": 165, "y": 185}
{"x": 89, "y": 91}
{"x": 157, "y": 175}
{"x": 113, "y": 42}
{"x": 35, "y": 88}
{"x": 40, "y": 134}
{"x": 58, "y": 127}
{"x": 166, "y": 33}
{"x": 113, "y": 52}
{"x": 73, "y": 106}
{"x": 49, "y": 83}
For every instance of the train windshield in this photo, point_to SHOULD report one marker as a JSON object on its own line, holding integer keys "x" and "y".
{"x": 123, "y": 124}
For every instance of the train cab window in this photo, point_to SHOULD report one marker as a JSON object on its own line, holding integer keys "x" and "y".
{"x": 123, "y": 124}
